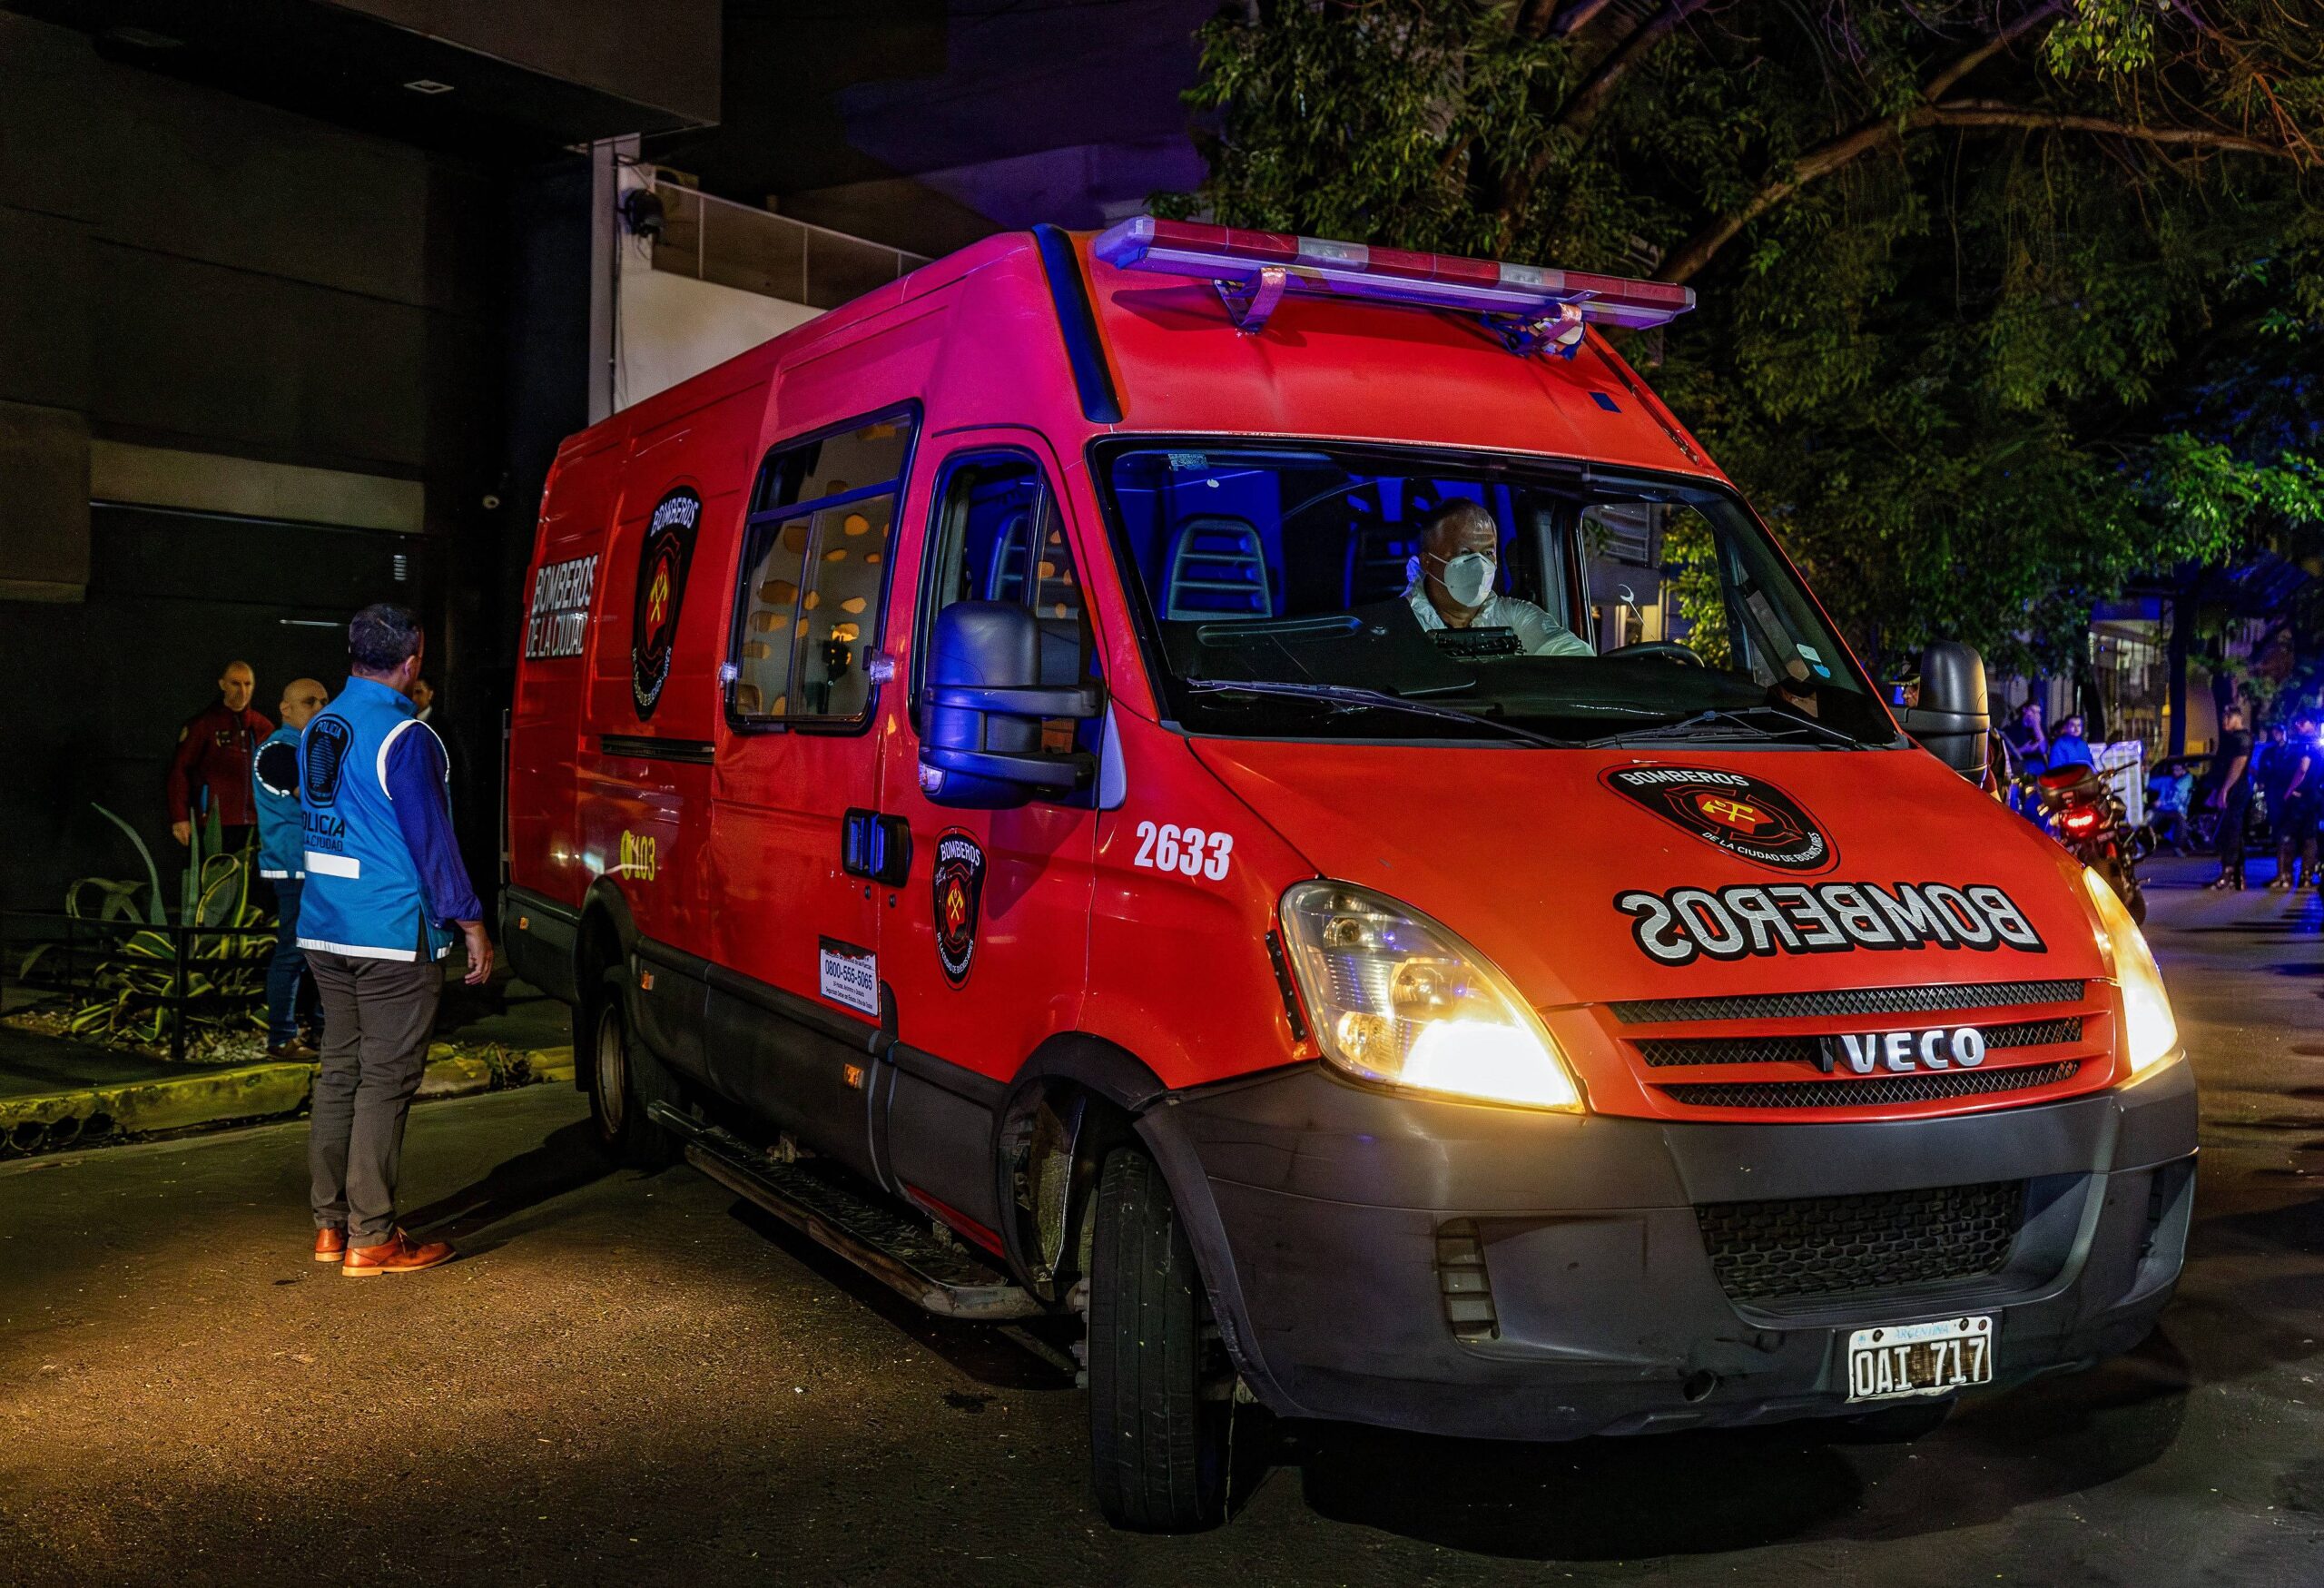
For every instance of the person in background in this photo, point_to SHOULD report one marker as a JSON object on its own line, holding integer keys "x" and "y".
{"x": 2031, "y": 751}
{"x": 2270, "y": 770}
{"x": 2026, "y": 743}
{"x": 2068, "y": 748}
{"x": 423, "y": 699}
{"x": 2231, "y": 798}
{"x": 2172, "y": 794}
{"x": 282, "y": 861}
{"x": 212, "y": 768}
{"x": 386, "y": 894}
{"x": 2292, "y": 804}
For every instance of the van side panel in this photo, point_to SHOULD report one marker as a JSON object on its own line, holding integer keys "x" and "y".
{"x": 783, "y": 1048}
{"x": 544, "y": 718}
{"x": 654, "y": 711}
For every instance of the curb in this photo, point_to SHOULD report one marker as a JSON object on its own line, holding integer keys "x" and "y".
{"x": 106, "y": 1115}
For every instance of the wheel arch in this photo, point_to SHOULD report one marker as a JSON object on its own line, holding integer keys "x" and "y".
{"x": 1123, "y": 1101}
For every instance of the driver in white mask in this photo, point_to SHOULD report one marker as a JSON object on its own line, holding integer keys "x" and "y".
{"x": 1460, "y": 552}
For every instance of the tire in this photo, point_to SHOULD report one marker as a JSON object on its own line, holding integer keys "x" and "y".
{"x": 1157, "y": 1442}
{"x": 625, "y": 1080}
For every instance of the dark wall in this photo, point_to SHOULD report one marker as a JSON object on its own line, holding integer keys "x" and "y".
{"x": 182, "y": 268}
{"x": 168, "y": 592}
{"x": 665, "y": 54}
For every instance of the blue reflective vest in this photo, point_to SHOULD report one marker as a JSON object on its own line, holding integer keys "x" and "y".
{"x": 363, "y": 897}
{"x": 281, "y": 824}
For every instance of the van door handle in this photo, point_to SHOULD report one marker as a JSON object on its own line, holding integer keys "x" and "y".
{"x": 875, "y": 847}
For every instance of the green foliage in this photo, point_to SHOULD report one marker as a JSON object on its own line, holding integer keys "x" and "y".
{"x": 1691, "y": 554}
{"x": 2002, "y": 306}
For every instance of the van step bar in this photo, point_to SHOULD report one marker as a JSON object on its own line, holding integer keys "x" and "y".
{"x": 900, "y": 1251}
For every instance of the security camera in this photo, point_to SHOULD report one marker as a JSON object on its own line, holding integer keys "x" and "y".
{"x": 641, "y": 212}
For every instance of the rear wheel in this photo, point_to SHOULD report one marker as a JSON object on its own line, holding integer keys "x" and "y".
{"x": 1161, "y": 1389}
{"x": 625, "y": 1080}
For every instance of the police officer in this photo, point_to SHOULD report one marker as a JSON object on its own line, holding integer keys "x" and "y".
{"x": 385, "y": 891}
{"x": 212, "y": 768}
{"x": 282, "y": 861}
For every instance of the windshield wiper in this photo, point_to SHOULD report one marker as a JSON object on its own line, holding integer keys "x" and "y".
{"x": 1348, "y": 697}
{"x": 1716, "y": 716}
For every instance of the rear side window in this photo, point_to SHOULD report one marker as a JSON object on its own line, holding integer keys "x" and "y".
{"x": 815, "y": 566}
{"x": 999, "y": 538}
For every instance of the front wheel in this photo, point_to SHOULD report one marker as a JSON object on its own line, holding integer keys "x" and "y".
{"x": 1161, "y": 1389}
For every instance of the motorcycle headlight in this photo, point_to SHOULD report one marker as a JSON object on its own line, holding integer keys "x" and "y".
{"x": 1397, "y": 999}
{"x": 2149, "y": 1031}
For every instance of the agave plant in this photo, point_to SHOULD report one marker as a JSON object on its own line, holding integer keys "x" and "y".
{"x": 129, "y": 996}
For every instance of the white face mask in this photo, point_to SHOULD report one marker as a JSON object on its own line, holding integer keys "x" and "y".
{"x": 1468, "y": 578}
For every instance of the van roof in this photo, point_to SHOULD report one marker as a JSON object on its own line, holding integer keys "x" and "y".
{"x": 1322, "y": 366}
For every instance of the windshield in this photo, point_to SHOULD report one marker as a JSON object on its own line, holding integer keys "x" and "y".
{"x": 1315, "y": 590}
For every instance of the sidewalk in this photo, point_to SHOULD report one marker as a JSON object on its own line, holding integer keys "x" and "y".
{"x": 56, "y": 1093}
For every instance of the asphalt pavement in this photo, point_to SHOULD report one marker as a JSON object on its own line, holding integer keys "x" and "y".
{"x": 632, "y": 1379}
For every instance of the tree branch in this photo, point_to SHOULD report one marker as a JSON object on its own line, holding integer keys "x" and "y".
{"x": 1588, "y": 103}
{"x": 1979, "y": 112}
{"x": 1699, "y": 250}
{"x": 1969, "y": 61}
{"x": 1575, "y": 16}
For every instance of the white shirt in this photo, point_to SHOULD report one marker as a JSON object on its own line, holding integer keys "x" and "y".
{"x": 1538, "y": 633}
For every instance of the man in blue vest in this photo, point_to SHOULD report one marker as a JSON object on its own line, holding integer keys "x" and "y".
{"x": 282, "y": 861}
{"x": 385, "y": 892}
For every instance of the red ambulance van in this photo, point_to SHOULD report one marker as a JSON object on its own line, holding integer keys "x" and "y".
{"x": 1267, "y": 794}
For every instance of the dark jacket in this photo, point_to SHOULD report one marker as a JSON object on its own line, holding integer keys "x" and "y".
{"x": 214, "y": 750}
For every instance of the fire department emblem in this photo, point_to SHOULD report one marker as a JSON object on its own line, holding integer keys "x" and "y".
{"x": 660, "y": 589}
{"x": 1742, "y": 814}
{"x": 960, "y": 892}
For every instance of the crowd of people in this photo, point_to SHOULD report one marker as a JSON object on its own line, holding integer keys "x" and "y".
{"x": 235, "y": 763}
{"x": 2266, "y": 787}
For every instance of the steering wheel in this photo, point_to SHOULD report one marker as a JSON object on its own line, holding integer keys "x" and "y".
{"x": 1669, "y": 650}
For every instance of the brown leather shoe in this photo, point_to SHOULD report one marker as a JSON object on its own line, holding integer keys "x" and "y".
{"x": 398, "y": 1254}
{"x": 296, "y": 1050}
{"x": 331, "y": 1244}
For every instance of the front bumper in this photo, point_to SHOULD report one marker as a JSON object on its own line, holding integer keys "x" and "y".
{"x": 1316, "y": 1208}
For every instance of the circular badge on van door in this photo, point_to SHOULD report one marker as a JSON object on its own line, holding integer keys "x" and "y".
{"x": 1743, "y": 815}
{"x": 660, "y": 589}
{"x": 959, "y": 893}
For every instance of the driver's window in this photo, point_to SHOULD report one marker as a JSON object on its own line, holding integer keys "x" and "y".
{"x": 1622, "y": 544}
{"x": 999, "y": 538}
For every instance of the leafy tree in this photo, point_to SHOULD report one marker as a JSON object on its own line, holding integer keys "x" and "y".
{"x": 2002, "y": 301}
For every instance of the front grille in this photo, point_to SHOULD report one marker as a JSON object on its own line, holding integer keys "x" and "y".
{"x": 1662, "y": 1053}
{"x": 1848, "y": 1001}
{"x": 1834, "y": 1246}
{"x": 1871, "y": 1091}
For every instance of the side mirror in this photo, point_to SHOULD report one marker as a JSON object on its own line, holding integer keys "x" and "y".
{"x": 981, "y": 745}
{"x": 1951, "y": 721}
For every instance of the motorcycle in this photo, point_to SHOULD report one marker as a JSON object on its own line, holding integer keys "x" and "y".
{"x": 2088, "y": 817}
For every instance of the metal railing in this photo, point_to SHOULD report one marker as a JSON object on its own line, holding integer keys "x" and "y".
{"x": 758, "y": 250}
{"x": 86, "y": 947}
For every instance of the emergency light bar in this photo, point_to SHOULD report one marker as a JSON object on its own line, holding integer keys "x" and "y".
{"x": 1534, "y": 308}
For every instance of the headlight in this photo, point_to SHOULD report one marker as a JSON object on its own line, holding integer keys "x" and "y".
{"x": 1398, "y": 999}
{"x": 2149, "y": 1032}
